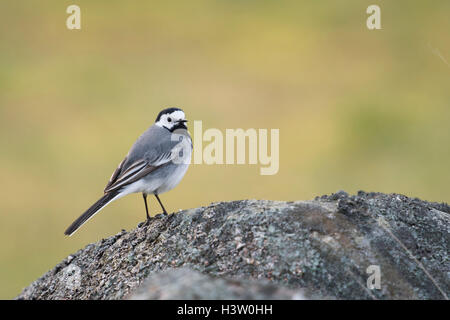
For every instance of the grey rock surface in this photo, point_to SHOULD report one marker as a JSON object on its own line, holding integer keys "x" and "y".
{"x": 186, "y": 284}
{"x": 322, "y": 247}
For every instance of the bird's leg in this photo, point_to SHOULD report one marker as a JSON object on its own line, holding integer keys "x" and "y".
{"x": 160, "y": 203}
{"x": 144, "y": 195}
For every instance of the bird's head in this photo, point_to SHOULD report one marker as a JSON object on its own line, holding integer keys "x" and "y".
{"x": 171, "y": 119}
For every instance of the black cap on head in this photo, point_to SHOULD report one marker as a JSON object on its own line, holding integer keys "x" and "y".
{"x": 168, "y": 110}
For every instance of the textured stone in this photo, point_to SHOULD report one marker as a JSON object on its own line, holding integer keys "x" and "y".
{"x": 322, "y": 247}
{"x": 183, "y": 283}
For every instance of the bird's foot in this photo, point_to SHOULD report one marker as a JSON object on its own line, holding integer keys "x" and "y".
{"x": 143, "y": 223}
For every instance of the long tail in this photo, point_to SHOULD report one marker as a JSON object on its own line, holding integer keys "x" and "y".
{"x": 96, "y": 207}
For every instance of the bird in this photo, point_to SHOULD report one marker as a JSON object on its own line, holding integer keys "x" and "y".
{"x": 155, "y": 164}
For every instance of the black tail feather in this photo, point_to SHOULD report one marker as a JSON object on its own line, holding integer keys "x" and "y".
{"x": 103, "y": 201}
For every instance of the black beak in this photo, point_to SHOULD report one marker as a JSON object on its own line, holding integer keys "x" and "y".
{"x": 182, "y": 121}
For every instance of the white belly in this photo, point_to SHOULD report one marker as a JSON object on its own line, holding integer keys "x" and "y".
{"x": 173, "y": 179}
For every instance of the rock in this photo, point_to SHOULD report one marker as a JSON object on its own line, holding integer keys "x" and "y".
{"x": 183, "y": 283}
{"x": 330, "y": 247}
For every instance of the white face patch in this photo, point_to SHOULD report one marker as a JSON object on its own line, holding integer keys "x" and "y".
{"x": 169, "y": 120}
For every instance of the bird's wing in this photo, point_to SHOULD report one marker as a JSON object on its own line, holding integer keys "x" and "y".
{"x": 152, "y": 150}
{"x": 124, "y": 176}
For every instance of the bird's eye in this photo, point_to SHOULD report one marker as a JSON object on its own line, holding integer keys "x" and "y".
{"x": 169, "y": 119}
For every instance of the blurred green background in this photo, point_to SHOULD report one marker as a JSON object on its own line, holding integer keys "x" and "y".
{"x": 357, "y": 109}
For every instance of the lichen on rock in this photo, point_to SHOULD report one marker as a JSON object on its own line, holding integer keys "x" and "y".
{"x": 321, "y": 248}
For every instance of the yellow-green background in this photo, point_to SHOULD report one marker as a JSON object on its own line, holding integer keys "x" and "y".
{"x": 356, "y": 109}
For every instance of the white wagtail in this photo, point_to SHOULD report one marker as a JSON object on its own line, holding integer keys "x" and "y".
{"x": 155, "y": 164}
